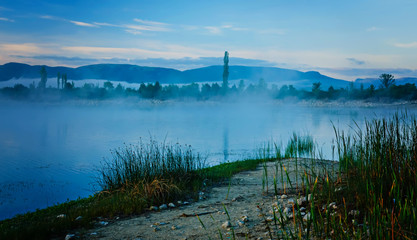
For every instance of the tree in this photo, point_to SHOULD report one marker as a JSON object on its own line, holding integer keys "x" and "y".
{"x": 108, "y": 85}
{"x": 386, "y": 80}
{"x": 58, "y": 77}
{"x": 225, "y": 71}
{"x": 44, "y": 78}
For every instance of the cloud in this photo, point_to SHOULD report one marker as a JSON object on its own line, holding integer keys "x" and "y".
{"x": 373, "y": 29}
{"x": 214, "y": 30}
{"x": 148, "y": 22}
{"x": 406, "y": 45}
{"x": 355, "y": 61}
{"x": 218, "y": 30}
{"x": 20, "y": 48}
{"x": 82, "y": 24}
{"x": 147, "y": 28}
{"x": 6, "y": 19}
{"x": 176, "y": 63}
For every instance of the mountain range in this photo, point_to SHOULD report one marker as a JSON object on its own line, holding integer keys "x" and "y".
{"x": 138, "y": 74}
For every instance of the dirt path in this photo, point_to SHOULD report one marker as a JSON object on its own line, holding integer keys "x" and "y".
{"x": 245, "y": 197}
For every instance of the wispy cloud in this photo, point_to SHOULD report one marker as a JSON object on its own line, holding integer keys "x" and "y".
{"x": 82, "y": 24}
{"x": 406, "y": 45}
{"x": 213, "y": 30}
{"x": 6, "y": 19}
{"x": 20, "y": 48}
{"x": 356, "y": 61}
{"x": 373, "y": 29}
{"x": 217, "y": 30}
{"x": 149, "y": 22}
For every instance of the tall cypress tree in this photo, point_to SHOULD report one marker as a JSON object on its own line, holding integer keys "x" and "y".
{"x": 225, "y": 85}
{"x": 44, "y": 78}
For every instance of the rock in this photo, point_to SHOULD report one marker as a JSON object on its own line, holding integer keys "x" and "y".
{"x": 163, "y": 207}
{"x": 171, "y": 205}
{"x": 186, "y": 203}
{"x": 103, "y": 223}
{"x": 93, "y": 234}
{"x": 240, "y": 223}
{"x": 307, "y": 217}
{"x": 287, "y": 210}
{"x": 153, "y": 208}
{"x": 226, "y": 225}
{"x": 283, "y": 196}
{"x": 180, "y": 203}
{"x": 245, "y": 218}
{"x": 269, "y": 219}
{"x": 302, "y": 214}
{"x": 301, "y": 201}
{"x": 79, "y": 218}
{"x": 69, "y": 236}
{"x": 155, "y": 229}
{"x": 291, "y": 201}
{"x": 61, "y": 216}
{"x": 302, "y": 209}
{"x": 173, "y": 227}
{"x": 238, "y": 198}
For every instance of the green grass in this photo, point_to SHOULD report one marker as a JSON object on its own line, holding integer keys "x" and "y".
{"x": 376, "y": 180}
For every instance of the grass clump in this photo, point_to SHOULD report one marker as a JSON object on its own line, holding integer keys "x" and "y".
{"x": 378, "y": 169}
{"x": 372, "y": 195}
{"x": 156, "y": 172}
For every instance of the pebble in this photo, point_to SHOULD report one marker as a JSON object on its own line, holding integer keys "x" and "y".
{"x": 245, "y": 218}
{"x": 163, "y": 206}
{"x": 155, "y": 229}
{"x": 291, "y": 201}
{"x": 173, "y": 227}
{"x": 61, "y": 216}
{"x": 302, "y": 209}
{"x": 301, "y": 201}
{"x": 69, "y": 236}
{"x": 307, "y": 217}
{"x": 186, "y": 203}
{"x": 240, "y": 223}
{"x": 269, "y": 219}
{"x": 287, "y": 210}
{"x": 103, "y": 223}
{"x": 226, "y": 224}
{"x": 153, "y": 208}
{"x": 179, "y": 203}
{"x": 171, "y": 205}
{"x": 79, "y": 218}
{"x": 284, "y": 196}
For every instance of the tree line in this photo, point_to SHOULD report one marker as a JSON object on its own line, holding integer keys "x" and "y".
{"x": 386, "y": 91}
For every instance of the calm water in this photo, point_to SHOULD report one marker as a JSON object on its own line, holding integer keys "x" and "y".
{"x": 49, "y": 153}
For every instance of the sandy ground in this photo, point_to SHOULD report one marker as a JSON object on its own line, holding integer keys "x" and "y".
{"x": 245, "y": 197}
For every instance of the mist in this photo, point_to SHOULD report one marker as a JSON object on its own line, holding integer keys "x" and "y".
{"x": 49, "y": 153}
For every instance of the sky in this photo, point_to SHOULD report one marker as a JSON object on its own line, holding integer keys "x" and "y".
{"x": 343, "y": 39}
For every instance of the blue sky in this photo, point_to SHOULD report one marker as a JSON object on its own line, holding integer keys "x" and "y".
{"x": 334, "y": 37}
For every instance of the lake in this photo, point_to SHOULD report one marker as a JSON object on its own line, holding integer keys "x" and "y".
{"x": 49, "y": 153}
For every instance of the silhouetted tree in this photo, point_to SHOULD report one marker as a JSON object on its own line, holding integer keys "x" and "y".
{"x": 44, "y": 78}
{"x": 386, "y": 80}
{"x": 58, "y": 78}
{"x": 108, "y": 85}
{"x": 225, "y": 71}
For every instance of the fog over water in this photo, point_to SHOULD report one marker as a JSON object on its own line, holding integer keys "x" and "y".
{"x": 49, "y": 152}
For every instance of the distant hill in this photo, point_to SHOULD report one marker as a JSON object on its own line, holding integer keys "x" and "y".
{"x": 376, "y": 82}
{"x": 138, "y": 74}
